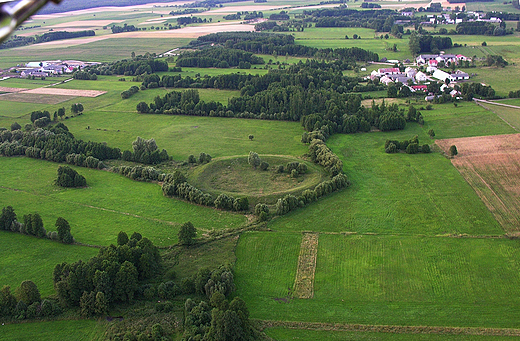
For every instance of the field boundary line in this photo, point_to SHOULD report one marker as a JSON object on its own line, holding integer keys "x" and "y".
{"x": 304, "y": 281}
{"x": 480, "y": 101}
{"x": 391, "y": 329}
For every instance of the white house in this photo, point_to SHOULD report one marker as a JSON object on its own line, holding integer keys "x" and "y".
{"x": 421, "y": 77}
{"x": 385, "y": 80}
{"x": 459, "y": 75}
{"x": 441, "y": 75}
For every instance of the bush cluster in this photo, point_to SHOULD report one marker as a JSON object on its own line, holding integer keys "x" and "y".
{"x": 111, "y": 276}
{"x": 409, "y": 146}
{"x": 290, "y": 202}
{"x": 322, "y": 155}
{"x": 68, "y": 177}
{"x": 130, "y": 92}
{"x": 145, "y": 151}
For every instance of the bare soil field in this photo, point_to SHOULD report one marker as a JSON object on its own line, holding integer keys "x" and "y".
{"x": 66, "y": 42}
{"x": 86, "y": 23}
{"x": 491, "y": 165}
{"x": 107, "y": 9}
{"x": 34, "y": 98}
{"x": 65, "y": 92}
{"x": 6, "y": 89}
{"x": 185, "y": 32}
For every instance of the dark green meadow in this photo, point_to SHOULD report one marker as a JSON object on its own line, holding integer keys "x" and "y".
{"x": 25, "y": 257}
{"x": 73, "y": 330}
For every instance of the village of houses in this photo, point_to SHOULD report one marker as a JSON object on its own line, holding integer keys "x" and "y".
{"x": 410, "y": 77}
{"x": 46, "y": 68}
{"x": 416, "y": 80}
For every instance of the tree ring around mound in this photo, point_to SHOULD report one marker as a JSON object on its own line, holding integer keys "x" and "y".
{"x": 234, "y": 176}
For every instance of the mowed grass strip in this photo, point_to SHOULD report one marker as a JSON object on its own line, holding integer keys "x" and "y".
{"x": 304, "y": 282}
{"x": 510, "y": 115}
{"x": 109, "y": 204}
{"x": 73, "y": 330}
{"x": 29, "y": 258}
{"x": 387, "y": 280}
{"x": 465, "y": 120}
{"x": 394, "y": 193}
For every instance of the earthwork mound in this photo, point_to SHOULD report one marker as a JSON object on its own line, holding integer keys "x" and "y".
{"x": 234, "y": 176}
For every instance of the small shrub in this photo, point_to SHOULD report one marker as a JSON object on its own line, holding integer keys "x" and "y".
{"x": 392, "y": 148}
{"x": 453, "y": 150}
{"x": 264, "y": 165}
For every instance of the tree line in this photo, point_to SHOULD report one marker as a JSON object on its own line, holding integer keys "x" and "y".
{"x": 217, "y": 57}
{"x": 16, "y": 41}
{"x": 279, "y": 44}
{"x": 137, "y": 66}
{"x": 33, "y": 226}
{"x": 56, "y": 144}
{"x": 480, "y": 28}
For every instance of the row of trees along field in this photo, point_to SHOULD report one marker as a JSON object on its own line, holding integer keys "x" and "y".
{"x": 33, "y": 225}
{"x": 16, "y": 41}
{"x": 59, "y": 145}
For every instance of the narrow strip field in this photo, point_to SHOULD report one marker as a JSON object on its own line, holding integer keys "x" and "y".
{"x": 491, "y": 165}
{"x": 393, "y": 329}
{"x": 304, "y": 283}
{"x": 65, "y": 92}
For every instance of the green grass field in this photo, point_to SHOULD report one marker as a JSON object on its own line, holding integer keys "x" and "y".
{"x": 18, "y": 255}
{"x": 510, "y": 115}
{"x": 465, "y": 120}
{"x": 74, "y": 330}
{"x": 394, "y": 193}
{"x": 110, "y": 204}
{"x": 434, "y": 281}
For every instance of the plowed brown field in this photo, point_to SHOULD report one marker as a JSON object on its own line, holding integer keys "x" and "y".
{"x": 491, "y": 165}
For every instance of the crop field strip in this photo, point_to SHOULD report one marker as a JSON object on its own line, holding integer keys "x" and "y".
{"x": 337, "y": 327}
{"x": 304, "y": 282}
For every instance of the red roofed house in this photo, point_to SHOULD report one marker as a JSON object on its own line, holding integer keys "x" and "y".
{"x": 419, "y": 87}
{"x": 389, "y": 71}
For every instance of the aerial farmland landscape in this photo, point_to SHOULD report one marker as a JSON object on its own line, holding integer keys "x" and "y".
{"x": 260, "y": 170}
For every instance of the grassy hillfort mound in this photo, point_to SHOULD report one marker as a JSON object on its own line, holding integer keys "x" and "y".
{"x": 235, "y": 176}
